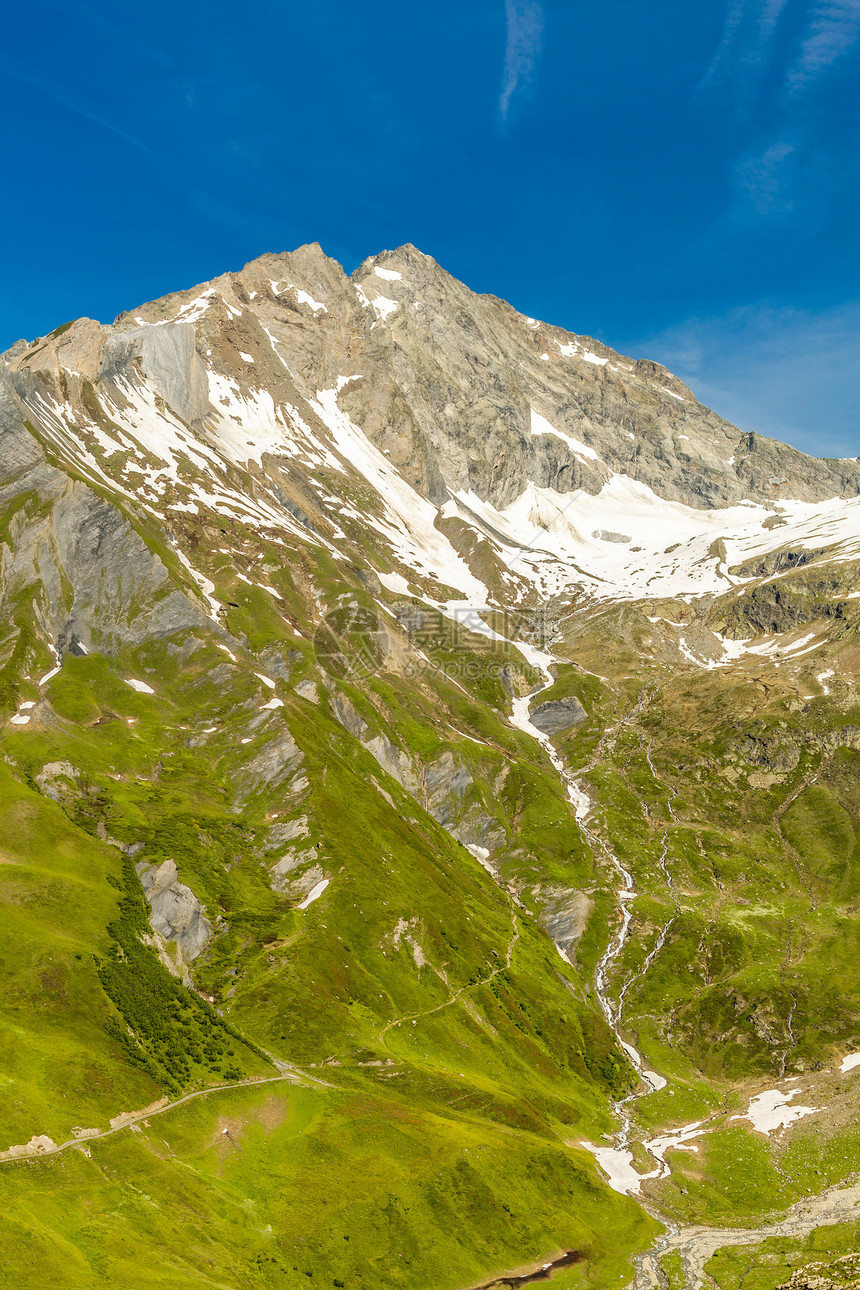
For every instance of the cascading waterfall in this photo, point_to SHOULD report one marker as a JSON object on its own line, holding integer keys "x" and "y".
{"x": 617, "y": 1161}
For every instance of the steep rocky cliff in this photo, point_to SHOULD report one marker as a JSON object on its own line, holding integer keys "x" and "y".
{"x": 444, "y": 718}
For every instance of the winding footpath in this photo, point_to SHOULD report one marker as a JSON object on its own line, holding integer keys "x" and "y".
{"x": 16, "y": 1154}
{"x": 696, "y": 1244}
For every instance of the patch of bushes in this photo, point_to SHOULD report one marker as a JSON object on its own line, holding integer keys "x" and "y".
{"x": 163, "y": 1027}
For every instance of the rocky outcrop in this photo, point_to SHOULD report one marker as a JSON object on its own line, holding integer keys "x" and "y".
{"x": 176, "y": 913}
{"x": 839, "y": 1274}
{"x": 100, "y": 585}
{"x": 558, "y": 715}
{"x": 777, "y": 751}
{"x": 276, "y": 762}
{"x": 775, "y": 607}
{"x": 565, "y": 913}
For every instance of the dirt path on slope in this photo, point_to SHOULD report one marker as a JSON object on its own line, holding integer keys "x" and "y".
{"x": 135, "y": 1117}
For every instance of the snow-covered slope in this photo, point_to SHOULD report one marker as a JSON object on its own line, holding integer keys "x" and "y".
{"x": 469, "y": 453}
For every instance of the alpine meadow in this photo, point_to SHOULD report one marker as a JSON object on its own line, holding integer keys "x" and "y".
{"x": 429, "y": 806}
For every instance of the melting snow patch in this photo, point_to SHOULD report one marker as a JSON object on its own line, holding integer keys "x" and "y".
{"x": 246, "y": 357}
{"x": 314, "y": 894}
{"x": 273, "y": 703}
{"x": 140, "y": 686}
{"x": 656, "y": 1081}
{"x": 617, "y": 1164}
{"x": 540, "y": 425}
{"x": 383, "y": 307}
{"x": 380, "y": 305}
{"x": 408, "y": 520}
{"x": 678, "y": 1140}
{"x": 304, "y": 299}
{"x": 592, "y": 358}
{"x": 54, "y": 670}
{"x": 770, "y": 1110}
{"x": 848, "y": 1063}
{"x": 823, "y": 677}
{"x": 390, "y": 275}
{"x": 267, "y": 680}
{"x": 19, "y": 720}
{"x": 394, "y": 582}
{"x": 665, "y": 390}
{"x": 203, "y": 583}
{"x": 481, "y": 854}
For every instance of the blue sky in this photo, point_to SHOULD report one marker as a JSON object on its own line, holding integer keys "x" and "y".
{"x": 680, "y": 180}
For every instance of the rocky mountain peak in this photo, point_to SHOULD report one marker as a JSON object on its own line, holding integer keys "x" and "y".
{"x": 514, "y": 441}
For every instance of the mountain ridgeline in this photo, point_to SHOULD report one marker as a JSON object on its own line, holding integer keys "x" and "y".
{"x": 429, "y": 832}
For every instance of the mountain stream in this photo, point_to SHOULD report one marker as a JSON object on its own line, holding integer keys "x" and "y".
{"x": 695, "y": 1243}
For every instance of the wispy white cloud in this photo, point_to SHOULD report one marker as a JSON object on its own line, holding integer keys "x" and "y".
{"x": 71, "y": 105}
{"x": 835, "y": 27}
{"x": 731, "y": 30}
{"x": 788, "y": 373}
{"x": 525, "y": 33}
{"x": 750, "y": 35}
{"x": 770, "y": 14}
{"x": 766, "y": 181}
{"x": 745, "y": 46}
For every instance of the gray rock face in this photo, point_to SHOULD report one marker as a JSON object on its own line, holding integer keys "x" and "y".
{"x": 101, "y": 585}
{"x": 177, "y": 914}
{"x": 460, "y": 394}
{"x": 775, "y": 607}
{"x": 275, "y": 763}
{"x": 565, "y": 915}
{"x": 448, "y": 383}
{"x": 558, "y": 715}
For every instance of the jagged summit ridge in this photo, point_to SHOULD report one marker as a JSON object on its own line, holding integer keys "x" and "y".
{"x": 485, "y": 450}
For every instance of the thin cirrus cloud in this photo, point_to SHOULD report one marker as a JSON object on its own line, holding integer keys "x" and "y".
{"x": 64, "y": 100}
{"x": 789, "y": 373}
{"x": 835, "y": 27}
{"x": 525, "y": 33}
{"x": 746, "y": 42}
{"x": 749, "y": 37}
{"x": 769, "y": 57}
{"x": 766, "y": 180}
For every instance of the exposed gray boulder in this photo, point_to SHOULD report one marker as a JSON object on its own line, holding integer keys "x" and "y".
{"x": 558, "y": 715}
{"x": 565, "y": 915}
{"x": 176, "y": 913}
{"x": 608, "y": 535}
{"x": 275, "y": 763}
